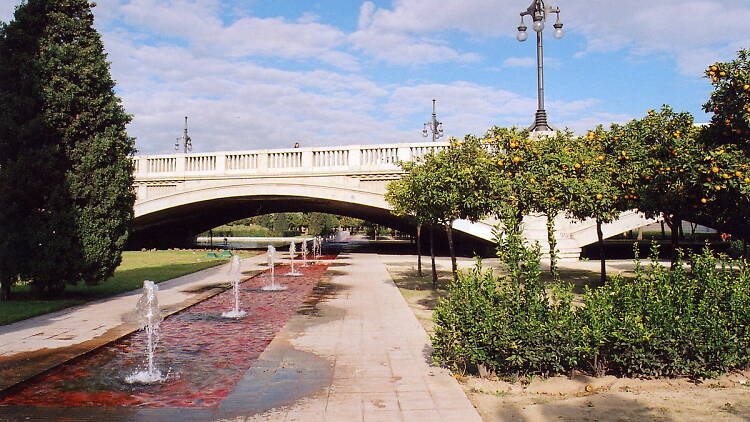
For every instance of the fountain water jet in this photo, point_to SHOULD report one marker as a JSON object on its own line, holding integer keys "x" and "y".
{"x": 271, "y": 263}
{"x": 235, "y": 274}
{"x": 292, "y": 253}
{"x": 150, "y": 318}
{"x": 304, "y": 253}
{"x": 317, "y": 247}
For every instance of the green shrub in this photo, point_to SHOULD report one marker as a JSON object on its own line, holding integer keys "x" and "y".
{"x": 687, "y": 321}
{"x": 690, "y": 321}
{"x": 510, "y": 324}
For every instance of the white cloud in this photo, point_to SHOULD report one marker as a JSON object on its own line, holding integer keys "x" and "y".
{"x": 198, "y": 23}
{"x": 466, "y": 107}
{"x": 519, "y": 62}
{"x": 530, "y": 62}
{"x": 486, "y": 17}
{"x": 398, "y": 48}
{"x": 394, "y": 44}
{"x": 694, "y": 32}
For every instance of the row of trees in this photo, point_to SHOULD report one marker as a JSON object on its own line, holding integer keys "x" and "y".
{"x": 316, "y": 223}
{"x": 65, "y": 172}
{"x": 662, "y": 165}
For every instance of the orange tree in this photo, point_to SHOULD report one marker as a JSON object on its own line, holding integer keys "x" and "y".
{"x": 512, "y": 152}
{"x": 723, "y": 166}
{"x": 602, "y": 185}
{"x": 729, "y": 103}
{"x": 404, "y": 196}
{"x": 460, "y": 186}
{"x": 661, "y": 152}
{"x": 453, "y": 184}
{"x": 550, "y": 178}
{"x": 534, "y": 176}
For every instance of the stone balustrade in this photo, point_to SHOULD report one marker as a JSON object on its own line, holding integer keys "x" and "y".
{"x": 293, "y": 161}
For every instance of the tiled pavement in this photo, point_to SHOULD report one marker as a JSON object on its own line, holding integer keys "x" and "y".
{"x": 378, "y": 352}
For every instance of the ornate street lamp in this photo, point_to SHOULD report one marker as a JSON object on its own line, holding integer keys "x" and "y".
{"x": 185, "y": 138}
{"x": 434, "y": 127}
{"x": 539, "y": 12}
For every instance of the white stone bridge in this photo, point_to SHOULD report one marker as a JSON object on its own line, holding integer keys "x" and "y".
{"x": 181, "y": 195}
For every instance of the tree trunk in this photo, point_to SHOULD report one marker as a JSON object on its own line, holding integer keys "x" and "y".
{"x": 674, "y": 224}
{"x": 4, "y": 288}
{"x": 663, "y": 234}
{"x": 432, "y": 256}
{"x": 449, "y": 233}
{"x": 419, "y": 249}
{"x": 693, "y": 228}
{"x": 602, "y": 255}
{"x": 552, "y": 248}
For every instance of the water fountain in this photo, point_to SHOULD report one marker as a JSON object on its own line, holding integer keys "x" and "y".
{"x": 271, "y": 271}
{"x": 150, "y": 318}
{"x": 235, "y": 274}
{"x": 292, "y": 253}
{"x": 317, "y": 247}
{"x": 304, "y": 253}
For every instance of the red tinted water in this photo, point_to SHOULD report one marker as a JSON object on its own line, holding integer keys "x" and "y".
{"x": 204, "y": 354}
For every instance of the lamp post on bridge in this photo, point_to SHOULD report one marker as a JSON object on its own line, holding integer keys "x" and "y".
{"x": 434, "y": 127}
{"x": 539, "y": 11}
{"x": 185, "y": 138}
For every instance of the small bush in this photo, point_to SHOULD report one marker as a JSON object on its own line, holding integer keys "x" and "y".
{"x": 683, "y": 322}
{"x": 511, "y": 324}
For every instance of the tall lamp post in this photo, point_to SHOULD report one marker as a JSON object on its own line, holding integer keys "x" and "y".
{"x": 434, "y": 127}
{"x": 186, "y": 140}
{"x": 539, "y": 12}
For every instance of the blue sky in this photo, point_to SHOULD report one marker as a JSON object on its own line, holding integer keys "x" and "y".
{"x": 265, "y": 73}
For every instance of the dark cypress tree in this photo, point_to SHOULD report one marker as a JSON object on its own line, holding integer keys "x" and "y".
{"x": 65, "y": 153}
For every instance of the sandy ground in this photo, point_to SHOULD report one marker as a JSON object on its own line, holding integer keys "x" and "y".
{"x": 581, "y": 398}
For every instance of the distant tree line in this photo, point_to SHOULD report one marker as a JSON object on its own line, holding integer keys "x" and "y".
{"x": 315, "y": 223}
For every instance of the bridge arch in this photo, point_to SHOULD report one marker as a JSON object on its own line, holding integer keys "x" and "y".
{"x": 173, "y": 220}
{"x": 182, "y": 195}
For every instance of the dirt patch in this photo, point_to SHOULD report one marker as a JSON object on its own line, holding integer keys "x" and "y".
{"x": 610, "y": 399}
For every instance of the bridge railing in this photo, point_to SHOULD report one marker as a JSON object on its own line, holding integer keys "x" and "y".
{"x": 337, "y": 159}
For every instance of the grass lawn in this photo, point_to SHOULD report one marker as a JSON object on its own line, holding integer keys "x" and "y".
{"x": 136, "y": 266}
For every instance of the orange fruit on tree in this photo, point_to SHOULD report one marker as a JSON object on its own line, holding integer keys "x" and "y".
{"x": 704, "y": 200}
{"x": 516, "y": 159}
{"x": 599, "y": 196}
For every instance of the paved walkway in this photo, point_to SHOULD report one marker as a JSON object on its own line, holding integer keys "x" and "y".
{"x": 378, "y": 353}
